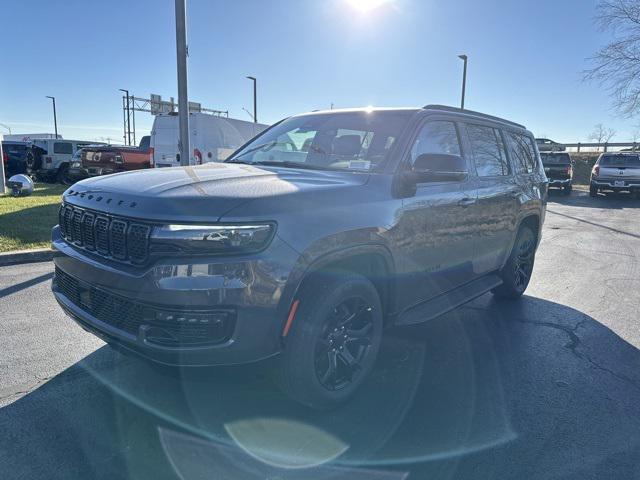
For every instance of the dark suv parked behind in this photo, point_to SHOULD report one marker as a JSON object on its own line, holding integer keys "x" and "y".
{"x": 308, "y": 242}
{"x": 559, "y": 170}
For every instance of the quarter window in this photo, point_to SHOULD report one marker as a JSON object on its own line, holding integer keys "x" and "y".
{"x": 522, "y": 152}
{"x": 436, "y": 137}
{"x": 488, "y": 151}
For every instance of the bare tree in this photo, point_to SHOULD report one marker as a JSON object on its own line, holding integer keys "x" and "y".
{"x": 601, "y": 134}
{"x": 616, "y": 66}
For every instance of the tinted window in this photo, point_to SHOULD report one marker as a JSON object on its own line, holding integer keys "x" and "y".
{"x": 488, "y": 151}
{"x": 555, "y": 158}
{"x": 436, "y": 137}
{"x": 522, "y": 152}
{"x": 620, "y": 160}
{"x": 63, "y": 147}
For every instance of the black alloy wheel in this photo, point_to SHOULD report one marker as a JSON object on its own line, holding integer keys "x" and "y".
{"x": 344, "y": 343}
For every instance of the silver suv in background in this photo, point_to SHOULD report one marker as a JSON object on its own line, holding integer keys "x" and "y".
{"x": 616, "y": 172}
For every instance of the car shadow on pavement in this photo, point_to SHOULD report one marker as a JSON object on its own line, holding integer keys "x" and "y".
{"x": 525, "y": 389}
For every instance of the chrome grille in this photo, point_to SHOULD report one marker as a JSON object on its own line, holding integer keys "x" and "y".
{"x": 109, "y": 236}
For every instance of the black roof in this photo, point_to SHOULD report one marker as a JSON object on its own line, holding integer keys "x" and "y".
{"x": 444, "y": 108}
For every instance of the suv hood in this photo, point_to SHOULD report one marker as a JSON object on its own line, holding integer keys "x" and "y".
{"x": 202, "y": 193}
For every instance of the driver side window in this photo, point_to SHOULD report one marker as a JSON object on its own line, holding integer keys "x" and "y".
{"x": 439, "y": 136}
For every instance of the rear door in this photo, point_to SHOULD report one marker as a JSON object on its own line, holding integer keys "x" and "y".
{"x": 496, "y": 210}
{"x": 62, "y": 152}
{"x": 435, "y": 233}
{"x": 164, "y": 141}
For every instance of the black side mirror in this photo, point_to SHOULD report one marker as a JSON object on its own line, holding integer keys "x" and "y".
{"x": 439, "y": 167}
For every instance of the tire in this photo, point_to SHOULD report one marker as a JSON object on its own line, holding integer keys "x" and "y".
{"x": 516, "y": 273}
{"x": 567, "y": 190}
{"x": 33, "y": 159}
{"x": 63, "y": 175}
{"x": 593, "y": 191}
{"x": 314, "y": 366}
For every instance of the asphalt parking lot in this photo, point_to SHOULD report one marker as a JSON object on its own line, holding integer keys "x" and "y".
{"x": 547, "y": 387}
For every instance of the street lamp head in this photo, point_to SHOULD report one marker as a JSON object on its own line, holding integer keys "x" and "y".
{"x": 251, "y": 78}
{"x": 47, "y": 96}
{"x": 462, "y": 57}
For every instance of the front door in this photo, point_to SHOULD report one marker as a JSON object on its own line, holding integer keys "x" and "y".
{"x": 434, "y": 233}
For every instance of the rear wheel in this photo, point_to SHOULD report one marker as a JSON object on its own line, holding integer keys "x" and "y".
{"x": 519, "y": 267}
{"x": 63, "y": 175}
{"x": 333, "y": 342}
{"x": 593, "y": 190}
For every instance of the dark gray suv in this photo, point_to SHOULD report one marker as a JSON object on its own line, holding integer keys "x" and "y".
{"x": 307, "y": 243}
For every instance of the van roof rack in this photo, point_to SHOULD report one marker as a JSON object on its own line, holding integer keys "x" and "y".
{"x": 445, "y": 108}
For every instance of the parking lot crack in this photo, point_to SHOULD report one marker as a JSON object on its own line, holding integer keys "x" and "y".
{"x": 574, "y": 344}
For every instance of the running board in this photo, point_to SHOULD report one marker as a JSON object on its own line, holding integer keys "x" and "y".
{"x": 448, "y": 301}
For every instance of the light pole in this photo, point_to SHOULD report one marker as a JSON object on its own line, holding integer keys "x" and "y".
{"x": 255, "y": 98}
{"x": 465, "y": 59}
{"x": 55, "y": 120}
{"x": 183, "y": 101}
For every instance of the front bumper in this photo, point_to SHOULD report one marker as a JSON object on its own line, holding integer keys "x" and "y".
{"x": 249, "y": 290}
{"x": 77, "y": 173}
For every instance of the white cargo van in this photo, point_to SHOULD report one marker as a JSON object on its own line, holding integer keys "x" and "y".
{"x": 212, "y": 138}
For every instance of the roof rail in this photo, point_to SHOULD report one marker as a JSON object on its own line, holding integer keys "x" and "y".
{"x": 445, "y": 108}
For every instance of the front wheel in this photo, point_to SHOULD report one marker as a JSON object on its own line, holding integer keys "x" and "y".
{"x": 566, "y": 190}
{"x": 333, "y": 342}
{"x": 519, "y": 267}
{"x": 593, "y": 190}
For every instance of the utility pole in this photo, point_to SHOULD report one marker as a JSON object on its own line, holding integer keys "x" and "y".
{"x": 55, "y": 120}
{"x": 255, "y": 98}
{"x": 133, "y": 115}
{"x": 465, "y": 59}
{"x": 183, "y": 102}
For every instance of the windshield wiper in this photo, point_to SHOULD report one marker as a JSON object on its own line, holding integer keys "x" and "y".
{"x": 285, "y": 164}
{"x": 251, "y": 150}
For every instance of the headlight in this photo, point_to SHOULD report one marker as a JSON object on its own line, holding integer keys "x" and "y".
{"x": 118, "y": 159}
{"x": 212, "y": 238}
{"x": 75, "y": 165}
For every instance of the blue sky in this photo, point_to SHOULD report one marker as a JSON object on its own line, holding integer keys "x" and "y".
{"x": 525, "y": 60}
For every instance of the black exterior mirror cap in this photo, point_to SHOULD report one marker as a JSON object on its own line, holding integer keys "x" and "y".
{"x": 439, "y": 167}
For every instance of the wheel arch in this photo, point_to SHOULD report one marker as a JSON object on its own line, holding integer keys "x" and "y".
{"x": 374, "y": 262}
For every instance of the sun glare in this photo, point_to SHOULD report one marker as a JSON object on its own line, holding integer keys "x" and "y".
{"x": 366, "y": 6}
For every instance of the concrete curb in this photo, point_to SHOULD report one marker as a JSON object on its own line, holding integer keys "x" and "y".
{"x": 26, "y": 256}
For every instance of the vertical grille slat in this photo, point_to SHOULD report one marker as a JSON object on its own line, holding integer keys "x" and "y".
{"x": 118, "y": 239}
{"x": 101, "y": 231}
{"x": 138, "y": 242}
{"x": 87, "y": 231}
{"x": 106, "y": 235}
{"x": 76, "y": 232}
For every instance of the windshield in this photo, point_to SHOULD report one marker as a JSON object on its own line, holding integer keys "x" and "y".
{"x": 620, "y": 160}
{"x": 357, "y": 141}
{"x": 555, "y": 158}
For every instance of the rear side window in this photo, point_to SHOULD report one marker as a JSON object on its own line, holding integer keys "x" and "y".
{"x": 63, "y": 147}
{"x": 522, "y": 152}
{"x": 488, "y": 151}
{"x": 436, "y": 137}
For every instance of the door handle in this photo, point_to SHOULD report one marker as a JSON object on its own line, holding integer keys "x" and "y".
{"x": 467, "y": 202}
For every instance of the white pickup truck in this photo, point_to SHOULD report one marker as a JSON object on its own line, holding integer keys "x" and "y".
{"x": 616, "y": 172}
